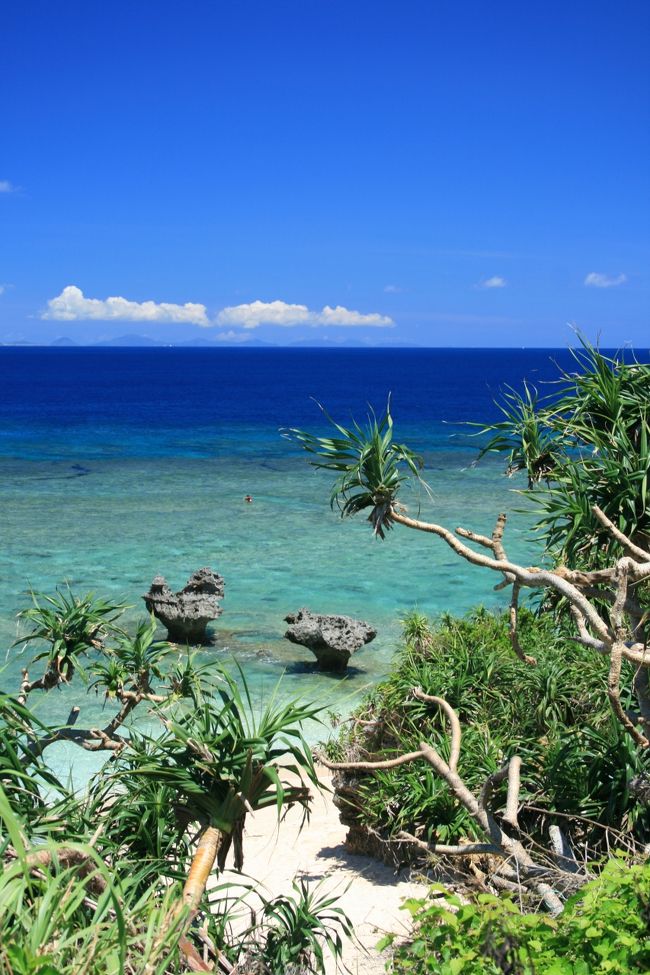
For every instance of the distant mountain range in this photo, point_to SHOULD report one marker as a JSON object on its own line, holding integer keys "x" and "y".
{"x": 144, "y": 342}
{"x": 134, "y": 342}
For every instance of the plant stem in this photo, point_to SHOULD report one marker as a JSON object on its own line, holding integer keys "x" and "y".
{"x": 201, "y": 867}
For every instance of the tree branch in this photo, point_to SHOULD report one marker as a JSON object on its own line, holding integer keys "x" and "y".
{"x": 532, "y": 578}
{"x": 607, "y": 636}
{"x": 454, "y": 750}
{"x": 444, "y": 849}
{"x": 501, "y": 843}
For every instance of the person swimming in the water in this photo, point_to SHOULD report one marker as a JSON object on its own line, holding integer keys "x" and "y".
{"x": 248, "y": 499}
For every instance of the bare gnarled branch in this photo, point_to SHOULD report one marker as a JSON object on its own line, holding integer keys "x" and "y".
{"x": 617, "y": 632}
{"x": 500, "y": 842}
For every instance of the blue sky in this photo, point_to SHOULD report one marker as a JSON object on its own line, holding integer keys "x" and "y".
{"x": 430, "y": 173}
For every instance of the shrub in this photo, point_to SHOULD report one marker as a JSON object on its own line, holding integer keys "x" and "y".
{"x": 603, "y": 929}
{"x": 577, "y": 760}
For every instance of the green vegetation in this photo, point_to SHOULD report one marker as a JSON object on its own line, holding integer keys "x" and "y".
{"x": 297, "y": 928}
{"x": 516, "y": 744}
{"x": 70, "y": 626}
{"x": 577, "y": 761}
{"x": 590, "y": 441}
{"x": 115, "y": 880}
{"x": 529, "y": 444}
{"x": 519, "y": 746}
{"x": 65, "y": 908}
{"x": 603, "y": 930}
{"x": 371, "y": 468}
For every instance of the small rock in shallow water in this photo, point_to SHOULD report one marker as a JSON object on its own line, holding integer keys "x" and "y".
{"x": 332, "y": 639}
{"x": 187, "y": 612}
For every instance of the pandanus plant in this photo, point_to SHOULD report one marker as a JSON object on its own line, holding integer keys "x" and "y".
{"x": 590, "y": 442}
{"x": 72, "y": 626}
{"x": 223, "y": 762}
{"x": 523, "y": 435}
{"x": 371, "y": 468}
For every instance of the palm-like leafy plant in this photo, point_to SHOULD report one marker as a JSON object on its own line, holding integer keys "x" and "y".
{"x": 224, "y": 762}
{"x": 137, "y": 659}
{"x": 299, "y": 927}
{"x": 591, "y": 443}
{"x": 371, "y": 467}
{"x": 71, "y": 625}
{"x": 523, "y": 435}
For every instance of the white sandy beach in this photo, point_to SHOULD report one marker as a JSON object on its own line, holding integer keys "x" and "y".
{"x": 371, "y": 893}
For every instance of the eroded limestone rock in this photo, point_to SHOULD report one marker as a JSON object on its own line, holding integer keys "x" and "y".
{"x": 332, "y": 639}
{"x": 186, "y": 613}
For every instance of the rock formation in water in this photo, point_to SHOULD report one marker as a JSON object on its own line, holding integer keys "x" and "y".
{"x": 187, "y": 613}
{"x": 332, "y": 639}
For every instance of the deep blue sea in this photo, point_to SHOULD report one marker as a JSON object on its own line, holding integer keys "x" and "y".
{"x": 119, "y": 464}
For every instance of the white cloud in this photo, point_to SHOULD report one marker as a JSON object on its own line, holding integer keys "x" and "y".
{"x": 6, "y": 186}
{"x": 392, "y": 289}
{"x": 494, "y": 282}
{"x": 71, "y": 306}
{"x": 257, "y": 313}
{"x": 3, "y": 288}
{"x": 344, "y": 316}
{"x": 595, "y": 280}
{"x": 235, "y": 338}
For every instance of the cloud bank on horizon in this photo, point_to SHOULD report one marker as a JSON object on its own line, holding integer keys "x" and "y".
{"x": 72, "y": 305}
{"x": 257, "y": 313}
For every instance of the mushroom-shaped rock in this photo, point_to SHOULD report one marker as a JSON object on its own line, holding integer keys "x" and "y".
{"x": 187, "y": 613}
{"x": 332, "y": 639}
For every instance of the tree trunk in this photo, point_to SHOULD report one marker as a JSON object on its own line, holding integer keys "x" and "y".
{"x": 201, "y": 867}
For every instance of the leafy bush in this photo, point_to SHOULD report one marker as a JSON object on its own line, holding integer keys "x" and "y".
{"x": 603, "y": 929}
{"x": 64, "y": 910}
{"x": 577, "y": 760}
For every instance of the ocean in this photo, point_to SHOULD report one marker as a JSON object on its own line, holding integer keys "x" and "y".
{"x": 121, "y": 464}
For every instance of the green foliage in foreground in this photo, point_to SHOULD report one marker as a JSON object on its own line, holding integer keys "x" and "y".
{"x": 577, "y": 760}
{"x": 92, "y": 884}
{"x": 604, "y": 930}
{"x": 77, "y": 914}
{"x": 299, "y": 926}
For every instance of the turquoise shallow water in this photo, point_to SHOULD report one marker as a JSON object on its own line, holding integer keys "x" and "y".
{"x": 106, "y": 506}
{"x": 114, "y": 529}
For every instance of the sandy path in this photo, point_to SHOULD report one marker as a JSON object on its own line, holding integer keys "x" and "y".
{"x": 374, "y": 892}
